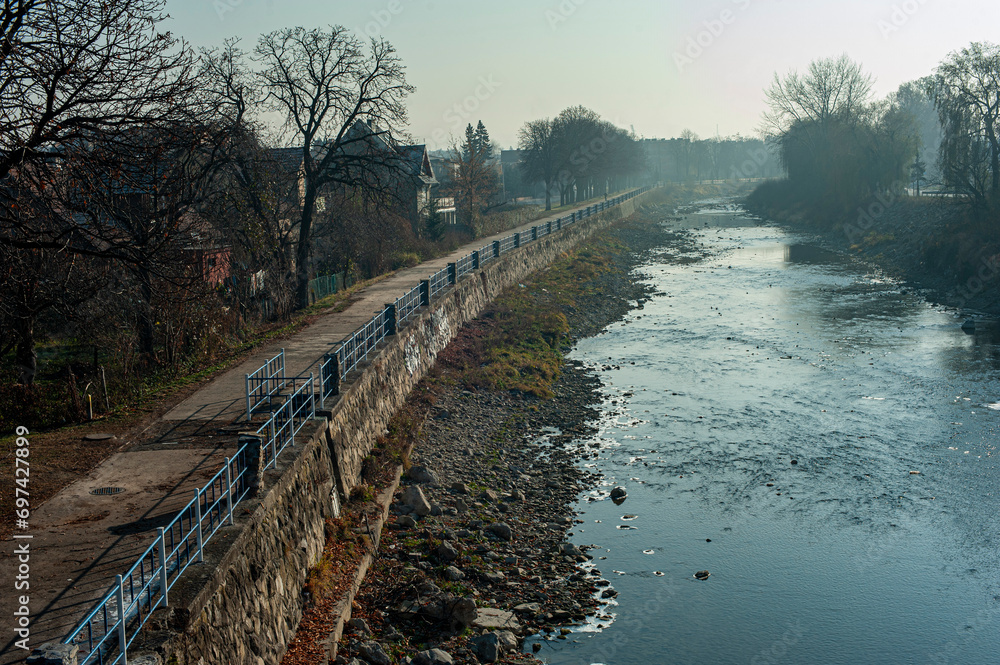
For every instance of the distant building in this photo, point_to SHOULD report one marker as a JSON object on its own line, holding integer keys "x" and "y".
{"x": 409, "y": 173}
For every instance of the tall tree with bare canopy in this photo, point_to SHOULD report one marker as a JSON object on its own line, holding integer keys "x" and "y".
{"x": 78, "y": 80}
{"x": 324, "y": 81}
{"x": 966, "y": 92}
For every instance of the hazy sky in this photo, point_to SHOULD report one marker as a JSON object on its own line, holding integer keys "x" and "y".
{"x": 659, "y": 66}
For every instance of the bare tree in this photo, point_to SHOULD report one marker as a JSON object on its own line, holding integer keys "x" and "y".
{"x": 539, "y": 141}
{"x": 324, "y": 81}
{"x": 72, "y": 69}
{"x": 832, "y": 89}
{"x": 686, "y": 153}
{"x": 966, "y": 91}
{"x": 255, "y": 197}
{"x": 78, "y": 82}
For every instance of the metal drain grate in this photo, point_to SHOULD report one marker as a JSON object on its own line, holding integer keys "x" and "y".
{"x": 108, "y": 490}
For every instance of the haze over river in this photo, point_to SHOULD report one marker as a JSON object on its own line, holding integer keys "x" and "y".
{"x": 831, "y": 433}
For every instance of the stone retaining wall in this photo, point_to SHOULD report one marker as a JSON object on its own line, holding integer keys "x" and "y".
{"x": 243, "y": 606}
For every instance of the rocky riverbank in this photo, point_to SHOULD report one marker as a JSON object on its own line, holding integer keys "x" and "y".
{"x": 476, "y": 557}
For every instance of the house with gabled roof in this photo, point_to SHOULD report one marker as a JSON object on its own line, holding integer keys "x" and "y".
{"x": 412, "y": 178}
{"x": 416, "y": 163}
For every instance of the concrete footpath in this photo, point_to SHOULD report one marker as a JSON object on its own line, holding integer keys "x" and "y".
{"x": 80, "y": 541}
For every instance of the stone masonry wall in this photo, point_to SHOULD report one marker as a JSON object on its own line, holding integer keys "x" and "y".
{"x": 243, "y": 606}
{"x": 370, "y": 400}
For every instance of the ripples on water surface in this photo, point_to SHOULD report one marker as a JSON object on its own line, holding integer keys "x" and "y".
{"x": 878, "y": 544}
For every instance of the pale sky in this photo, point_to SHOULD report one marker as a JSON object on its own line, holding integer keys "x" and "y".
{"x": 632, "y": 61}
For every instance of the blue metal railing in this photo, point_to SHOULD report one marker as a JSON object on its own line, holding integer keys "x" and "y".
{"x": 439, "y": 281}
{"x": 109, "y": 629}
{"x": 356, "y": 348}
{"x": 408, "y": 305}
{"x": 507, "y": 244}
{"x": 263, "y": 383}
{"x": 464, "y": 266}
{"x": 279, "y": 431}
{"x": 329, "y": 377}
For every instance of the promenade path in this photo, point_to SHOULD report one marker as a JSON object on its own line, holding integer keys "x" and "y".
{"x": 80, "y": 541}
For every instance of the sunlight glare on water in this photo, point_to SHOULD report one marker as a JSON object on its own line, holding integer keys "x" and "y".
{"x": 820, "y": 439}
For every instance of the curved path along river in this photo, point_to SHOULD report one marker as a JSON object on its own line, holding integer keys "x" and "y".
{"x": 820, "y": 439}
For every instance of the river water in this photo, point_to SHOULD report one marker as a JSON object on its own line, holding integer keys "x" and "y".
{"x": 817, "y": 437}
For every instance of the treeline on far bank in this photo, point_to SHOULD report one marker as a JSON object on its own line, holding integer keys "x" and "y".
{"x": 912, "y": 180}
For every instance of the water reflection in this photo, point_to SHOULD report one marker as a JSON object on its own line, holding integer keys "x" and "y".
{"x": 820, "y": 440}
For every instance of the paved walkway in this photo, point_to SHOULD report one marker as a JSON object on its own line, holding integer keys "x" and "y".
{"x": 81, "y": 541}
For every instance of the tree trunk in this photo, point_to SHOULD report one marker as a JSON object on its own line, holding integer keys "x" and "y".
{"x": 548, "y": 197}
{"x": 994, "y": 161}
{"x": 146, "y": 326}
{"x": 302, "y": 251}
{"x": 25, "y": 354}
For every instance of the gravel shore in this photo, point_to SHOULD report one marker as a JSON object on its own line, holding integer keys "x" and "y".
{"x": 477, "y": 557}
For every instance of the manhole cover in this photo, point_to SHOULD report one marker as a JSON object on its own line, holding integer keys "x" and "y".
{"x": 99, "y": 437}
{"x": 108, "y": 490}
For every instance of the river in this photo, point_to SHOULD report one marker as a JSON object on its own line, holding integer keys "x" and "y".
{"x": 817, "y": 437}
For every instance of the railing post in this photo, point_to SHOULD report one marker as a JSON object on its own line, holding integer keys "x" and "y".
{"x": 475, "y": 260}
{"x": 391, "y": 319}
{"x": 425, "y": 293}
{"x": 254, "y": 459}
{"x": 163, "y": 552}
{"x": 290, "y": 423}
{"x": 549, "y": 224}
{"x": 336, "y": 375}
{"x": 329, "y": 377}
{"x": 229, "y": 492}
{"x": 273, "y": 434}
{"x": 249, "y": 413}
{"x": 559, "y": 224}
{"x": 452, "y": 273}
{"x": 197, "y": 513}
{"x": 121, "y": 620}
{"x": 496, "y": 249}
{"x": 312, "y": 397}
{"x": 534, "y": 233}
{"x": 517, "y": 240}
